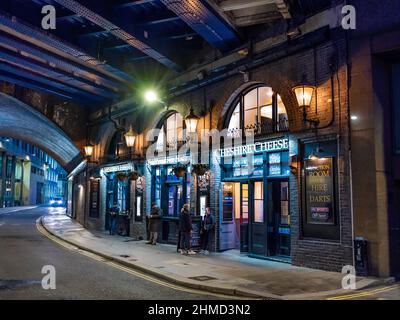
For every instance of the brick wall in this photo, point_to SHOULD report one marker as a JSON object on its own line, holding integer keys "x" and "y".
{"x": 316, "y": 64}
{"x": 282, "y": 75}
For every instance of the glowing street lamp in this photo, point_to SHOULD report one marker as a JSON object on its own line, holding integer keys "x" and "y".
{"x": 304, "y": 94}
{"x": 89, "y": 148}
{"x": 151, "y": 96}
{"x": 191, "y": 122}
{"x": 130, "y": 138}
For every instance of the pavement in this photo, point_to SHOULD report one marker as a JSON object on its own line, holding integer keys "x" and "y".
{"x": 228, "y": 273}
{"x": 24, "y": 251}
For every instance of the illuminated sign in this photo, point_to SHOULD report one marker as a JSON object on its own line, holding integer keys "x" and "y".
{"x": 319, "y": 191}
{"x": 267, "y": 146}
{"x": 120, "y": 167}
{"x": 168, "y": 160}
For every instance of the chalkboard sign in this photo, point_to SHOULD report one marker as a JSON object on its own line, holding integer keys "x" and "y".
{"x": 196, "y": 227}
{"x": 319, "y": 191}
{"x": 94, "y": 211}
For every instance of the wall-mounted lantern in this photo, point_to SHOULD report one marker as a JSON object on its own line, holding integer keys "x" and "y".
{"x": 130, "y": 138}
{"x": 191, "y": 121}
{"x": 304, "y": 94}
{"x": 89, "y": 148}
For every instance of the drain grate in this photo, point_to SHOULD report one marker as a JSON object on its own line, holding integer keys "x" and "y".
{"x": 202, "y": 278}
{"x": 124, "y": 256}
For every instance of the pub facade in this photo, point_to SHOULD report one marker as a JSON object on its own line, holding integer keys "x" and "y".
{"x": 282, "y": 193}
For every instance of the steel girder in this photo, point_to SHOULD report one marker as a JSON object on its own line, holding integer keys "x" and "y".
{"x": 50, "y": 84}
{"x": 200, "y": 16}
{"x": 62, "y": 67}
{"x": 59, "y": 48}
{"x": 118, "y": 32}
{"x": 57, "y": 78}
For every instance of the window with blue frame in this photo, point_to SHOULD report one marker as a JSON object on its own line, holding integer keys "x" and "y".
{"x": 156, "y": 186}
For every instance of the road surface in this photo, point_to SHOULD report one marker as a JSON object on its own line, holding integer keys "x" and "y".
{"x": 24, "y": 251}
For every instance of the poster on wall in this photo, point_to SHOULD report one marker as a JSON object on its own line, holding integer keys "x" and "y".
{"x": 319, "y": 191}
{"x": 94, "y": 198}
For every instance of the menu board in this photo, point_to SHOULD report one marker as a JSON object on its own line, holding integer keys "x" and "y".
{"x": 319, "y": 191}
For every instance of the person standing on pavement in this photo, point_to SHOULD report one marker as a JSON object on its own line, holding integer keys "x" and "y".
{"x": 208, "y": 228}
{"x": 114, "y": 211}
{"x": 185, "y": 228}
{"x": 154, "y": 223}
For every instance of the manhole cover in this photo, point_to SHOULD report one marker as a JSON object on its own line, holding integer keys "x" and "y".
{"x": 202, "y": 278}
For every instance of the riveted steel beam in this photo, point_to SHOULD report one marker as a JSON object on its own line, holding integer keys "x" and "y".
{"x": 118, "y": 32}
{"x": 58, "y": 77}
{"x": 58, "y": 47}
{"x": 59, "y": 64}
{"x": 36, "y": 78}
{"x": 203, "y": 19}
{"x": 131, "y": 4}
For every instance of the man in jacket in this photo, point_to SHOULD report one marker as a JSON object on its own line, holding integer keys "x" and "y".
{"x": 208, "y": 228}
{"x": 185, "y": 228}
{"x": 154, "y": 223}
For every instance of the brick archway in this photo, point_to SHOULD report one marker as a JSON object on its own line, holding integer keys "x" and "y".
{"x": 20, "y": 121}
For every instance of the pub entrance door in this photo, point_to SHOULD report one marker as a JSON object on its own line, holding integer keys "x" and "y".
{"x": 278, "y": 218}
{"x": 258, "y": 228}
{"x": 174, "y": 199}
{"x": 234, "y": 220}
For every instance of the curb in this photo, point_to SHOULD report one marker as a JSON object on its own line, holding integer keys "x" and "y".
{"x": 234, "y": 292}
{"x": 229, "y": 291}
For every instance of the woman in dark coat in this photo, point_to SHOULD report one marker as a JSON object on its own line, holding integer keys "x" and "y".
{"x": 154, "y": 223}
{"x": 185, "y": 228}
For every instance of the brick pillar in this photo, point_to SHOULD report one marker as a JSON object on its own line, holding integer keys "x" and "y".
{"x": 215, "y": 193}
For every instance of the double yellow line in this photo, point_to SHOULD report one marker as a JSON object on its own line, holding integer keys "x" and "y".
{"x": 365, "y": 293}
{"x": 139, "y": 274}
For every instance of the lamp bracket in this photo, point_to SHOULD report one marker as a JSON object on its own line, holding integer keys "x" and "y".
{"x": 116, "y": 125}
{"x": 313, "y": 122}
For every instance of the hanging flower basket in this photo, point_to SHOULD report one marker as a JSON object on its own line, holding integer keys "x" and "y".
{"x": 179, "y": 171}
{"x": 200, "y": 169}
{"x": 122, "y": 176}
{"x": 134, "y": 175}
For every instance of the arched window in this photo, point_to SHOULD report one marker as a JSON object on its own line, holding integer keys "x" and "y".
{"x": 261, "y": 110}
{"x": 171, "y": 132}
